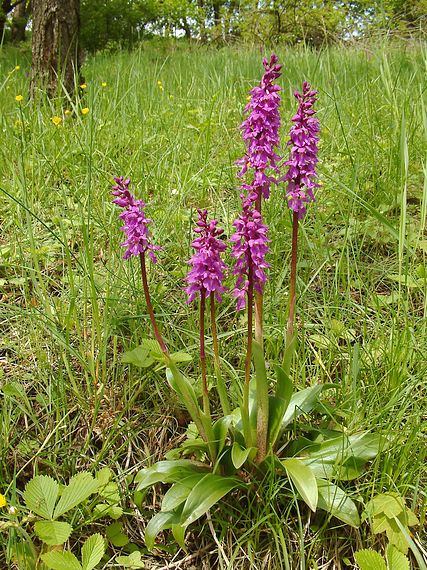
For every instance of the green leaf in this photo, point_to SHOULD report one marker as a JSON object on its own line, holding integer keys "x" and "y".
{"x": 410, "y": 543}
{"x": 181, "y": 357}
{"x": 239, "y": 454}
{"x": 220, "y": 431}
{"x": 396, "y": 560}
{"x": 179, "y": 492}
{"x": 132, "y": 561}
{"x": 369, "y": 560}
{"x": 40, "y": 495}
{"x": 53, "y": 532}
{"x": 80, "y": 487}
{"x": 168, "y": 472}
{"x": 208, "y": 491}
{"x": 262, "y": 395}
{"x": 301, "y": 402}
{"x": 92, "y": 551}
{"x": 153, "y": 348}
{"x": 389, "y": 504}
{"x": 103, "y": 476}
{"x": 139, "y": 357}
{"x": 61, "y": 560}
{"x": 279, "y": 403}
{"x": 159, "y": 522}
{"x": 110, "y": 493}
{"x": 178, "y": 532}
{"x": 116, "y": 535}
{"x": 335, "y": 501}
{"x": 304, "y": 480}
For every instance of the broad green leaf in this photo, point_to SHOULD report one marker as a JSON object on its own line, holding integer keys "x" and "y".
{"x": 205, "y": 494}
{"x": 159, "y": 522}
{"x": 80, "y": 487}
{"x": 61, "y": 560}
{"x": 396, "y": 560}
{"x": 220, "y": 431}
{"x": 369, "y": 560}
{"x": 179, "y": 492}
{"x": 279, "y": 404}
{"x": 40, "y": 495}
{"x": 168, "y": 472}
{"x": 301, "y": 402}
{"x": 303, "y": 479}
{"x": 410, "y": 543}
{"x": 92, "y": 551}
{"x": 239, "y": 455}
{"x": 139, "y": 357}
{"x": 53, "y": 532}
{"x": 335, "y": 501}
{"x": 178, "y": 532}
{"x": 389, "y": 504}
{"x": 134, "y": 560}
{"x": 110, "y": 492}
{"x": 181, "y": 357}
{"x": 116, "y": 535}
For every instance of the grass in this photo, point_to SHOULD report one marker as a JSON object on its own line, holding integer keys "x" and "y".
{"x": 70, "y": 305}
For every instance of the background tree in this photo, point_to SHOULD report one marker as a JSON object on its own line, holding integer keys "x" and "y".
{"x": 21, "y": 13}
{"x": 55, "y": 45}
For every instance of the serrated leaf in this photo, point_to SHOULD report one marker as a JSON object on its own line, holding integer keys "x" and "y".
{"x": 61, "y": 560}
{"x": 304, "y": 480}
{"x": 159, "y": 522}
{"x": 40, "y": 495}
{"x": 131, "y": 561}
{"x": 103, "y": 476}
{"x": 389, "y": 504}
{"x": 53, "y": 532}
{"x": 181, "y": 357}
{"x": 80, "y": 487}
{"x": 116, "y": 535}
{"x": 396, "y": 560}
{"x": 153, "y": 347}
{"x": 239, "y": 454}
{"x": 139, "y": 357}
{"x": 208, "y": 491}
{"x": 167, "y": 472}
{"x": 92, "y": 551}
{"x": 334, "y": 500}
{"x": 110, "y": 493}
{"x": 369, "y": 560}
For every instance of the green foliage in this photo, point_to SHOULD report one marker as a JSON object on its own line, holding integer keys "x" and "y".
{"x": 385, "y": 512}
{"x": 371, "y": 560}
{"x": 92, "y": 551}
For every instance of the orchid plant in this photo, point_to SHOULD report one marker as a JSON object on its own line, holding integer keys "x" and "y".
{"x": 233, "y": 449}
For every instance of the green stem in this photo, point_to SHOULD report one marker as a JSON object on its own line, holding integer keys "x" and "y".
{"x": 259, "y": 297}
{"x": 221, "y": 387}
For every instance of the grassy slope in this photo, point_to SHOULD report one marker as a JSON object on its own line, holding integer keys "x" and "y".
{"x": 70, "y": 305}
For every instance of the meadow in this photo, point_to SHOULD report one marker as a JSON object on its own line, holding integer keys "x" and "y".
{"x": 70, "y": 306}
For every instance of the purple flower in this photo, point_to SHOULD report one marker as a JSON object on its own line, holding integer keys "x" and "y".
{"x": 261, "y": 131}
{"x": 249, "y": 249}
{"x": 303, "y": 159}
{"x": 135, "y": 222}
{"x": 207, "y": 268}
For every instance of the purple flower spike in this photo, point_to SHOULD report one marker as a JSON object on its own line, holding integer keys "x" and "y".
{"x": 135, "y": 223}
{"x": 249, "y": 249}
{"x": 207, "y": 268}
{"x": 301, "y": 173}
{"x": 261, "y": 131}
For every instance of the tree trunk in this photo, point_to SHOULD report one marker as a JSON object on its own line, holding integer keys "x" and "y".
{"x": 19, "y": 21}
{"x": 5, "y": 8}
{"x": 55, "y": 48}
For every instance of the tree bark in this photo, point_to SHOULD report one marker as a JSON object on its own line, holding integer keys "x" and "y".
{"x": 55, "y": 49}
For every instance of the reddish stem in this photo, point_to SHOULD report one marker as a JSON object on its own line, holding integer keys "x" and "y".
{"x": 292, "y": 285}
{"x": 156, "y": 330}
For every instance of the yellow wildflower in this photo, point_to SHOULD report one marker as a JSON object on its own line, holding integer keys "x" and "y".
{"x": 248, "y": 98}
{"x": 67, "y": 112}
{"x": 160, "y": 84}
{"x": 3, "y": 501}
{"x": 56, "y": 120}
{"x": 83, "y": 86}
{"x": 19, "y": 98}
{"x": 17, "y": 67}
{"x": 103, "y": 84}
{"x": 85, "y": 110}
